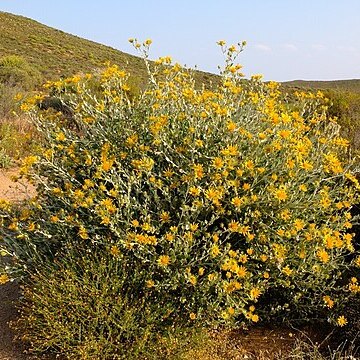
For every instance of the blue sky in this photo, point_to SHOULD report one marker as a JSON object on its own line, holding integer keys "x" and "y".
{"x": 287, "y": 39}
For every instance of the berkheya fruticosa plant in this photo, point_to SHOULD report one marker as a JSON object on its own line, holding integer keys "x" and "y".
{"x": 216, "y": 195}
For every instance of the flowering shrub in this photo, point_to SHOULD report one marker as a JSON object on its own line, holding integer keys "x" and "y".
{"x": 215, "y": 197}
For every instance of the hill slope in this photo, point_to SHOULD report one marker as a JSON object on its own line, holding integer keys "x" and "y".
{"x": 55, "y": 53}
{"x": 347, "y": 85}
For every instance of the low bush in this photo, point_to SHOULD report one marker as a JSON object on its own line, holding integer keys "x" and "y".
{"x": 204, "y": 204}
{"x": 345, "y": 106}
{"x": 16, "y": 71}
{"x": 18, "y": 139}
{"x": 81, "y": 307}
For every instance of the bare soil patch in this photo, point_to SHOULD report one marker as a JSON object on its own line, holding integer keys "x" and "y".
{"x": 14, "y": 190}
{"x": 9, "y": 349}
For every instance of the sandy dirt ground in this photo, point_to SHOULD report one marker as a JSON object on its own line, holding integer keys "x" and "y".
{"x": 14, "y": 191}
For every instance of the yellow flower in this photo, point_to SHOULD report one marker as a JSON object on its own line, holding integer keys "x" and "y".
{"x": 194, "y": 191}
{"x": 105, "y": 220}
{"x": 4, "y": 279}
{"x": 303, "y": 187}
{"x": 211, "y": 277}
{"x": 236, "y": 201}
{"x": 233, "y": 226}
{"x": 231, "y": 126}
{"x": 281, "y": 194}
{"x": 164, "y": 260}
{"x": 192, "y": 280}
{"x": 263, "y": 257}
{"x": 108, "y": 205}
{"x": 198, "y": 171}
{"x": 299, "y": 224}
{"x": 239, "y": 172}
{"x": 214, "y": 251}
{"x": 285, "y": 214}
{"x": 231, "y": 150}
{"x": 165, "y": 217}
{"x": 323, "y": 255}
{"x": 131, "y": 140}
{"x": 214, "y": 194}
{"x": 60, "y": 136}
{"x": 83, "y": 233}
{"x": 328, "y": 302}
{"x": 357, "y": 261}
{"x": 231, "y": 310}
{"x": 262, "y": 136}
{"x": 341, "y": 320}
{"x": 148, "y": 42}
{"x": 169, "y": 237}
{"x": 135, "y": 223}
{"x": 249, "y": 164}
{"x": 231, "y": 286}
{"x": 287, "y": 271}
{"x": 107, "y": 164}
{"x": 150, "y": 283}
{"x": 284, "y": 134}
{"x": 241, "y": 271}
{"x": 255, "y": 293}
{"x": 114, "y": 250}
{"x": 192, "y": 316}
{"x": 54, "y": 218}
{"x": 306, "y": 165}
{"x": 280, "y": 232}
{"x": 254, "y": 318}
{"x": 168, "y": 173}
{"x": 218, "y": 163}
{"x": 232, "y": 253}
{"x": 31, "y": 227}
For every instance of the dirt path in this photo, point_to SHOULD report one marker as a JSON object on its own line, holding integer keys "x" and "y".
{"x": 9, "y": 350}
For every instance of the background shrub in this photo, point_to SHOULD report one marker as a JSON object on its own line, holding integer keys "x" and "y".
{"x": 345, "y": 106}
{"x": 213, "y": 200}
{"x": 15, "y": 71}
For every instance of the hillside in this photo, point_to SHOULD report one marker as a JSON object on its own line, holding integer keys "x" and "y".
{"x": 347, "y": 85}
{"x": 55, "y": 53}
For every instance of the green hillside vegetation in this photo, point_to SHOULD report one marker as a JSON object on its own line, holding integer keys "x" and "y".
{"x": 55, "y": 53}
{"x": 352, "y": 85}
